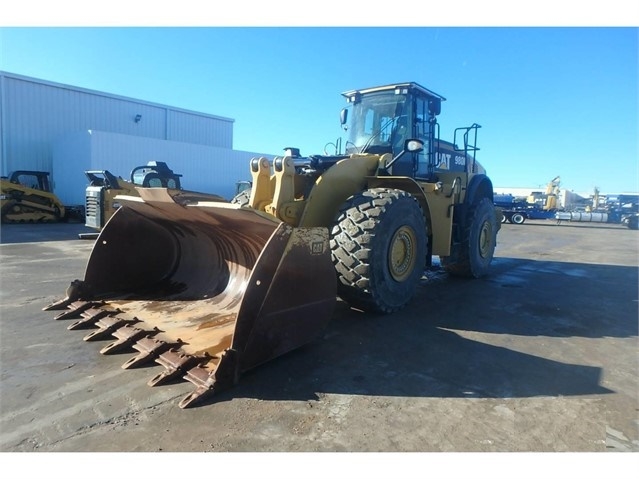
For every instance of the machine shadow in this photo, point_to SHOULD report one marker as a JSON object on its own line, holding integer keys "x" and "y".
{"x": 506, "y": 302}
{"x": 422, "y": 351}
{"x": 42, "y": 232}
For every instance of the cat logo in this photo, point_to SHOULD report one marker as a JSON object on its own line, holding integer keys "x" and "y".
{"x": 317, "y": 247}
{"x": 443, "y": 161}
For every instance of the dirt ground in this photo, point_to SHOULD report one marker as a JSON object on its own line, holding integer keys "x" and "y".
{"x": 540, "y": 356}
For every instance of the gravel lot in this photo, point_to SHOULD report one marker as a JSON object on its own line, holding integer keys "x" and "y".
{"x": 541, "y": 356}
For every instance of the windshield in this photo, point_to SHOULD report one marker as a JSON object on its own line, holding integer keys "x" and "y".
{"x": 138, "y": 177}
{"x": 379, "y": 123}
{"x": 151, "y": 178}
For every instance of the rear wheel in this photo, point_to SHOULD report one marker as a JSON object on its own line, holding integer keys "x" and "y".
{"x": 473, "y": 255}
{"x": 518, "y": 219}
{"x": 378, "y": 244}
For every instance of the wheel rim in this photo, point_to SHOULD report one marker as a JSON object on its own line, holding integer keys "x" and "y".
{"x": 485, "y": 239}
{"x": 401, "y": 257}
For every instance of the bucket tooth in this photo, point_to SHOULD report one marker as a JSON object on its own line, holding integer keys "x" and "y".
{"x": 208, "y": 383}
{"x": 205, "y": 381}
{"x": 149, "y": 348}
{"x": 90, "y": 317}
{"x": 57, "y": 305}
{"x": 107, "y": 326}
{"x": 175, "y": 364}
{"x": 75, "y": 309}
{"x": 76, "y": 290}
{"x": 127, "y": 335}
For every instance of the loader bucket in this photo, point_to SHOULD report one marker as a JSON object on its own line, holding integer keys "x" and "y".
{"x": 207, "y": 290}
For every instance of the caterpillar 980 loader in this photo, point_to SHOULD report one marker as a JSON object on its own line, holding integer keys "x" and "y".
{"x": 209, "y": 290}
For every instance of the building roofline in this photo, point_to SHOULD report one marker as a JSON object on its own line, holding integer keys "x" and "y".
{"x": 110, "y": 95}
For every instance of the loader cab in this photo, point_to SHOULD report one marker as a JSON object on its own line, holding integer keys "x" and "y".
{"x": 37, "y": 180}
{"x": 155, "y": 174}
{"x": 383, "y": 118}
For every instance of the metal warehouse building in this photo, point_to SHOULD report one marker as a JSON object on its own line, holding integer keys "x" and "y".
{"x": 67, "y": 130}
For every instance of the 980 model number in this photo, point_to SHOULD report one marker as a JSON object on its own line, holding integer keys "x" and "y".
{"x": 444, "y": 159}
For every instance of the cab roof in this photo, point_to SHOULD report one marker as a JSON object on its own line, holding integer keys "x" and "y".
{"x": 394, "y": 86}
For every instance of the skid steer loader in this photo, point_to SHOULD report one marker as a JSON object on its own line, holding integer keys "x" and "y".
{"x": 209, "y": 290}
{"x": 27, "y": 197}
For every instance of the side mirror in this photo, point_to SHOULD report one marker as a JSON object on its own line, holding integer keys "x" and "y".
{"x": 413, "y": 146}
{"x": 434, "y": 106}
{"x": 343, "y": 116}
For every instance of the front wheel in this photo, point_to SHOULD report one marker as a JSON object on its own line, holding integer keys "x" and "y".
{"x": 379, "y": 245}
{"x": 474, "y": 254}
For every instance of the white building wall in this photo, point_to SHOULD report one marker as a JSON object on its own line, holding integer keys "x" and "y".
{"x": 516, "y": 191}
{"x": 71, "y": 156}
{"x": 205, "y": 169}
{"x": 35, "y": 113}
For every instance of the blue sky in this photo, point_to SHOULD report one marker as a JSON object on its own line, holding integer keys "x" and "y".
{"x": 551, "y": 100}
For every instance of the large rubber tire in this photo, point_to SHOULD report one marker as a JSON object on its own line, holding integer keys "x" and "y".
{"x": 379, "y": 245}
{"x": 473, "y": 256}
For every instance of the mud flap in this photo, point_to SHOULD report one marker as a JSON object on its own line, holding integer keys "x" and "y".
{"x": 206, "y": 290}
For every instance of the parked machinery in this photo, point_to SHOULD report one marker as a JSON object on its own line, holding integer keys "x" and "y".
{"x": 104, "y": 188}
{"x": 209, "y": 290}
{"x": 537, "y": 206}
{"x": 615, "y": 209}
{"x": 27, "y": 196}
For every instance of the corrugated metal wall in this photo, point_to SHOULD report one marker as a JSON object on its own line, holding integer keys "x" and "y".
{"x": 192, "y": 128}
{"x": 35, "y": 113}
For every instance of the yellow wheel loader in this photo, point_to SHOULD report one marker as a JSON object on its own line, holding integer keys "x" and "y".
{"x": 27, "y": 197}
{"x": 209, "y": 290}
